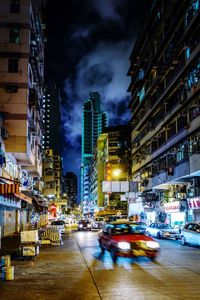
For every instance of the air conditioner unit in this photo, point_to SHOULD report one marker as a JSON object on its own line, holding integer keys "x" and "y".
{"x": 194, "y": 182}
{"x": 4, "y": 133}
{"x": 11, "y": 88}
{"x": 34, "y": 43}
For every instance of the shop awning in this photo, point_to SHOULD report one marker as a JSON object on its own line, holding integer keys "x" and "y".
{"x": 24, "y": 197}
{"x": 9, "y": 188}
{"x": 41, "y": 202}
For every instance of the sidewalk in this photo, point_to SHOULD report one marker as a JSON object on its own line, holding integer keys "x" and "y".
{"x": 59, "y": 272}
{"x": 10, "y": 245}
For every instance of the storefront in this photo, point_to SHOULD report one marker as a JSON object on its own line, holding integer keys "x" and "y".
{"x": 194, "y": 208}
{"x": 176, "y": 212}
{"x": 9, "y": 214}
{"x": 135, "y": 210}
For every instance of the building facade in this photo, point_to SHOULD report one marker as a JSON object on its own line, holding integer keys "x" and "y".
{"x": 51, "y": 117}
{"x": 94, "y": 120}
{"x": 71, "y": 189}
{"x": 21, "y": 83}
{"x": 165, "y": 106}
{"x": 111, "y": 162}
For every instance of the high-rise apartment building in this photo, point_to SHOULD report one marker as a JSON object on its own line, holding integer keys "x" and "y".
{"x": 94, "y": 120}
{"x": 70, "y": 180}
{"x": 111, "y": 162}
{"x": 21, "y": 93}
{"x": 165, "y": 106}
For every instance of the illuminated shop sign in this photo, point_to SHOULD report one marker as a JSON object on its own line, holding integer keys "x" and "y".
{"x": 10, "y": 202}
{"x": 172, "y": 206}
{"x": 194, "y": 203}
{"x": 119, "y": 186}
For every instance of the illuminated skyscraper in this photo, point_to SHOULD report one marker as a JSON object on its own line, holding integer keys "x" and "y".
{"x": 51, "y": 118}
{"x": 93, "y": 123}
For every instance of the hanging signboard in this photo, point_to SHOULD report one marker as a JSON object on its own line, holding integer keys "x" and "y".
{"x": 193, "y": 203}
{"x": 172, "y": 206}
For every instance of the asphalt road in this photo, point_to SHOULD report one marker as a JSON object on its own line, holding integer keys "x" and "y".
{"x": 76, "y": 270}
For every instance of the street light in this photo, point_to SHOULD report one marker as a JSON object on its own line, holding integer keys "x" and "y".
{"x": 117, "y": 172}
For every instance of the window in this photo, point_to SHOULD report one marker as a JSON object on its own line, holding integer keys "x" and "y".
{"x": 13, "y": 65}
{"x": 14, "y": 35}
{"x": 15, "y": 6}
{"x": 180, "y": 155}
{"x": 187, "y": 52}
{"x": 192, "y": 11}
{"x": 141, "y": 94}
{"x": 141, "y": 74}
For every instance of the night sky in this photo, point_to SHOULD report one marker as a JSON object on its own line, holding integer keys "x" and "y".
{"x": 88, "y": 47}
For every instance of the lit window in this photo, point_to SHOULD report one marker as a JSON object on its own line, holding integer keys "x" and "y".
{"x": 141, "y": 94}
{"x": 187, "y": 52}
{"x": 141, "y": 74}
{"x": 14, "y": 35}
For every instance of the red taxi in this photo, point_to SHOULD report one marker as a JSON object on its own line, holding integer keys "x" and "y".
{"x": 127, "y": 239}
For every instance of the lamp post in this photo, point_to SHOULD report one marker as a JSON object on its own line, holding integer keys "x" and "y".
{"x": 117, "y": 172}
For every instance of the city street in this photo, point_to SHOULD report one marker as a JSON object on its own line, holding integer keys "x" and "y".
{"x": 76, "y": 270}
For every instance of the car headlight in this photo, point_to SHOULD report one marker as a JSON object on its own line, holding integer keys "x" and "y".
{"x": 88, "y": 225}
{"x": 80, "y": 225}
{"x": 153, "y": 245}
{"x": 124, "y": 245}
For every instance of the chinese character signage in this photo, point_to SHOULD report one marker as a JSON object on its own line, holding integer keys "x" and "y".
{"x": 172, "y": 206}
{"x": 193, "y": 203}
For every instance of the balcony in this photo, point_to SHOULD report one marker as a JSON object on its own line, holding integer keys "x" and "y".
{"x": 20, "y": 148}
{"x": 48, "y": 178}
{"x": 48, "y": 164}
{"x": 49, "y": 191}
{"x": 38, "y": 186}
{"x": 35, "y": 170}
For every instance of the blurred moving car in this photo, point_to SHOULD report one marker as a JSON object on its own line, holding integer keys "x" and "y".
{"x": 190, "y": 233}
{"x": 161, "y": 230}
{"x": 127, "y": 239}
{"x": 84, "y": 225}
{"x": 58, "y": 224}
{"x": 97, "y": 223}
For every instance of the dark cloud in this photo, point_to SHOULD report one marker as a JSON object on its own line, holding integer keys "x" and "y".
{"x": 88, "y": 49}
{"x": 98, "y": 74}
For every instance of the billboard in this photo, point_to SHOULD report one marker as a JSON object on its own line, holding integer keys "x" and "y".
{"x": 119, "y": 186}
